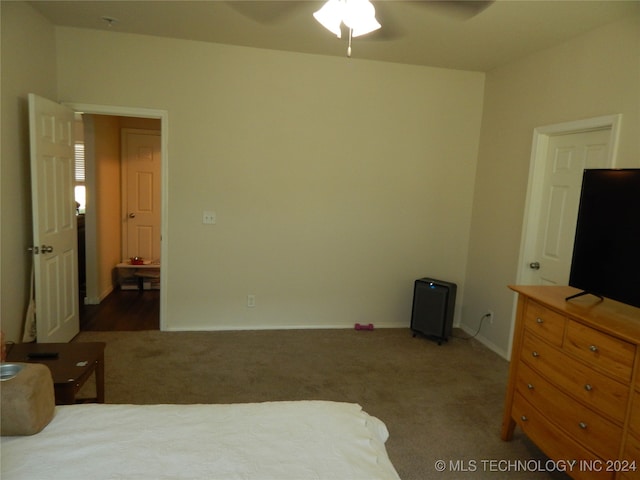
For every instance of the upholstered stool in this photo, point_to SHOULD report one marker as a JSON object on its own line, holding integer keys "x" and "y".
{"x": 28, "y": 399}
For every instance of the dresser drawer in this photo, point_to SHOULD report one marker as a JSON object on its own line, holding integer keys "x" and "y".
{"x": 553, "y": 442}
{"x": 544, "y": 322}
{"x": 584, "y": 425}
{"x": 595, "y": 389}
{"x": 604, "y": 352}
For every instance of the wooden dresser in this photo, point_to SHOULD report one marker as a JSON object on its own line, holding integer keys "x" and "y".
{"x": 574, "y": 381}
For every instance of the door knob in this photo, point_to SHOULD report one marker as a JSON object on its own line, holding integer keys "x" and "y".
{"x": 132, "y": 215}
{"x": 534, "y": 265}
{"x": 46, "y": 249}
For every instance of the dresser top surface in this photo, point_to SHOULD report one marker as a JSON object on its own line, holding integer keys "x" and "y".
{"x": 606, "y": 315}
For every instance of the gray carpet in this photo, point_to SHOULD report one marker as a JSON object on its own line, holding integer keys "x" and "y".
{"x": 438, "y": 402}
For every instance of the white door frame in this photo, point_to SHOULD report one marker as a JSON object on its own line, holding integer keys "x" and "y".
{"x": 536, "y": 175}
{"x": 163, "y": 116}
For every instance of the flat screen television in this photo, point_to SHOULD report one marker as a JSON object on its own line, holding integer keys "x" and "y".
{"x": 606, "y": 252}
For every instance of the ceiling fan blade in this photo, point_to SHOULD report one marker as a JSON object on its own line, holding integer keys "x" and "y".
{"x": 394, "y": 30}
{"x": 266, "y": 12}
{"x": 390, "y": 29}
{"x": 460, "y": 9}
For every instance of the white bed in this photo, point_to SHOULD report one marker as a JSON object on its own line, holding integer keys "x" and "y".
{"x": 264, "y": 441}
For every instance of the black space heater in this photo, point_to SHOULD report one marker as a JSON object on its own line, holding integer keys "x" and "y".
{"x": 433, "y": 305}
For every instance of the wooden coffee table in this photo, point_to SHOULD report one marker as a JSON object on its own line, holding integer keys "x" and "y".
{"x": 75, "y": 363}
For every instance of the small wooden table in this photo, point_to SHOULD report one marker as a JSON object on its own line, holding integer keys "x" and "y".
{"x": 140, "y": 271}
{"x": 76, "y": 362}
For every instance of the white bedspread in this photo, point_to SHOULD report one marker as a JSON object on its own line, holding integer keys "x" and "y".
{"x": 265, "y": 441}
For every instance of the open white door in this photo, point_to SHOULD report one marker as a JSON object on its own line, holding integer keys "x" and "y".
{"x": 567, "y": 157}
{"x": 54, "y": 222}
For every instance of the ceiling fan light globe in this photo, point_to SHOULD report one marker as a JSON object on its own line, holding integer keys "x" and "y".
{"x": 365, "y": 27}
{"x": 330, "y": 16}
{"x": 360, "y": 16}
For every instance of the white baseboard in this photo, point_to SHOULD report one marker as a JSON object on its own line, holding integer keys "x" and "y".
{"x": 487, "y": 343}
{"x": 216, "y": 328}
{"x": 99, "y": 298}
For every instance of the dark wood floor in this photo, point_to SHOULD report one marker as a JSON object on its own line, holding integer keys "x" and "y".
{"x": 123, "y": 310}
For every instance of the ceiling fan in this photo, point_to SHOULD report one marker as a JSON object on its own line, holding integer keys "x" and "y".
{"x": 272, "y": 11}
{"x": 357, "y": 17}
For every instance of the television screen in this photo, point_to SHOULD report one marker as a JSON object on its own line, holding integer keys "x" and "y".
{"x": 606, "y": 253}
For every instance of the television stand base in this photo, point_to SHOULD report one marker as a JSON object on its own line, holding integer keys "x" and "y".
{"x": 580, "y": 294}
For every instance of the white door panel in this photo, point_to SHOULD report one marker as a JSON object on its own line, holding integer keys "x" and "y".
{"x": 54, "y": 221}
{"x": 141, "y": 193}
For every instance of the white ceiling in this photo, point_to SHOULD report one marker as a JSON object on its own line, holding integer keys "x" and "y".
{"x": 415, "y": 32}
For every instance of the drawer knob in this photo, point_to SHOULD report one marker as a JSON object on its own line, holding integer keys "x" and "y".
{"x": 539, "y": 320}
{"x": 582, "y": 425}
{"x": 524, "y": 418}
{"x": 593, "y": 348}
{"x": 535, "y": 354}
{"x": 529, "y": 386}
{"x": 588, "y": 387}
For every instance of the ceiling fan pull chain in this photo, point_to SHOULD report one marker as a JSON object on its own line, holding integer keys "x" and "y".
{"x": 349, "y": 47}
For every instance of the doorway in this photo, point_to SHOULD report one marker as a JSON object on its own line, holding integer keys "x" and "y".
{"x": 568, "y": 155}
{"x": 140, "y": 192}
{"x": 554, "y": 154}
{"x": 104, "y": 222}
{"x": 603, "y": 133}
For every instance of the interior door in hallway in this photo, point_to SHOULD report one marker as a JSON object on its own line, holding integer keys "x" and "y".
{"x": 567, "y": 157}
{"x": 141, "y": 190}
{"x": 55, "y": 243}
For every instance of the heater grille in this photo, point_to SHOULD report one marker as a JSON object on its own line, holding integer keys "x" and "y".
{"x": 433, "y": 307}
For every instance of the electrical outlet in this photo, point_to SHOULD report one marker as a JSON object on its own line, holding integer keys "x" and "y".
{"x": 251, "y": 301}
{"x": 490, "y": 316}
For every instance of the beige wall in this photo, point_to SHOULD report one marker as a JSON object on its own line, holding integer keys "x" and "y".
{"x": 28, "y": 66}
{"x": 595, "y": 74}
{"x": 336, "y": 182}
{"x": 107, "y": 196}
